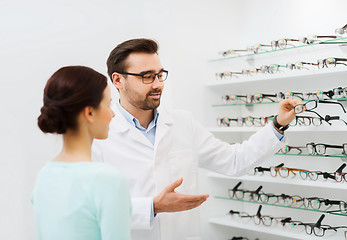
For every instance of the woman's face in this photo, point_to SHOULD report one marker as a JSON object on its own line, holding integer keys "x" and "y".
{"x": 103, "y": 116}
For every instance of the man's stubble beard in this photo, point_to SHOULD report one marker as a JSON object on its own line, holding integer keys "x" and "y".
{"x": 147, "y": 103}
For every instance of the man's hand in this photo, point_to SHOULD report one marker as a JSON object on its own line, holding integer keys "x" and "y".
{"x": 170, "y": 201}
{"x": 286, "y": 111}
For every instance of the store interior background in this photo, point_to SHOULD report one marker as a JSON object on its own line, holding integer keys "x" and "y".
{"x": 38, "y": 37}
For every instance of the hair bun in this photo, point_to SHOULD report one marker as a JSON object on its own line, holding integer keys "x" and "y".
{"x": 51, "y": 119}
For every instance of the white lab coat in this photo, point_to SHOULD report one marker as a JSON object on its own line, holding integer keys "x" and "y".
{"x": 181, "y": 146}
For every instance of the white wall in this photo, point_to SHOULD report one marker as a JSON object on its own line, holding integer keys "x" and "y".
{"x": 38, "y": 37}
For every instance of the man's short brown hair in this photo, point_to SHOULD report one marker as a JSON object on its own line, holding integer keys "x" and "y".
{"x": 116, "y": 62}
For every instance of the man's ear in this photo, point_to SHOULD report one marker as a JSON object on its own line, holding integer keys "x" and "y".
{"x": 117, "y": 80}
{"x": 88, "y": 113}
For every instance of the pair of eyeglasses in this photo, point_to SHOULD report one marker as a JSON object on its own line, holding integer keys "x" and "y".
{"x": 237, "y": 193}
{"x": 225, "y": 122}
{"x": 282, "y": 43}
{"x": 313, "y": 175}
{"x": 149, "y": 77}
{"x": 306, "y": 121}
{"x": 317, "y": 203}
{"x": 318, "y": 229}
{"x": 331, "y": 62}
{"x": 284, "y": 171}
{"x": 321, "y": 148}
{"x": 232, "y": 51}
{"x": 230, "y": 74}
{"x": 286, "y": 149}
{"x": 273, "y": 68}
{"x": 257, "y": 48}
{"x": 261, "y": 170}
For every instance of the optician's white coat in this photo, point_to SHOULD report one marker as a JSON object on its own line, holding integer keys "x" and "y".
{"x": 181, "y": 146}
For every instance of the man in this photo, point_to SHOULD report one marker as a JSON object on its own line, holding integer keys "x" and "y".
{"x": 158, "y": 149}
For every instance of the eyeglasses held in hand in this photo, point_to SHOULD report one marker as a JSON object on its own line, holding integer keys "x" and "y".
{"x": 312, "y": 104}
{"x": 149, "y": 77}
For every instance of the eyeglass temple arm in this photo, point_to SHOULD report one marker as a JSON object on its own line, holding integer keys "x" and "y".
{"x": 325, "y": 36}
{"x": 323, "y": 101}
{"x": 328, "y": 118}
{"x": 236, "y": 186}
{"x": 333, "y": 146}
{"x": 319, "y": 222}
{"x": 259, "y": 210}
{"x": 331, "y": 202}
{"x": 286, "y": 220}
{"x": 328, "y": 175}
{"x": 258, "y": 189}
{"x": 339, "y": 170}
{"x": 234, "y": 212}
{"x": 238, "y": 238}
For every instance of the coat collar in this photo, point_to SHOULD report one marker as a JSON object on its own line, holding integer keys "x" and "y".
{"x": 120, "y": 124}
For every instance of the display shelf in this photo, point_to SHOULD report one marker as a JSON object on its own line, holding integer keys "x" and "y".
{"x": 227, "y": 221}
{"x": 291, "y": 129}
{"x": 330, "y": 41}
{"x": 265, "y": 103}
{"x": 288, "y": 181}
{"x": 334, "y": 72}
{"x": 276, "y": 205}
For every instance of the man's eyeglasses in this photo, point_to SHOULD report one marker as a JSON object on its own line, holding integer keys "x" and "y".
{"x": 149, "y": 77}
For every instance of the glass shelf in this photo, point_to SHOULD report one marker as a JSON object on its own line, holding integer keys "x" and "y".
{"x": 330, "y": 41}
{"x": 305, "y": 209}
{"x": 309, "y": 155}
{"x": 257, "y": 103}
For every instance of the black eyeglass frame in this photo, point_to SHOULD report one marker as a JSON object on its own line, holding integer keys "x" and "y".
{"x": 152, "y": 76}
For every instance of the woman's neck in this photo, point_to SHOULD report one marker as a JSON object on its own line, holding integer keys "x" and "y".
{"x": 76, "y": 148}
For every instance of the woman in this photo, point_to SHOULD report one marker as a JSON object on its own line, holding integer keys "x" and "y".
{"x": 75, "y": 198}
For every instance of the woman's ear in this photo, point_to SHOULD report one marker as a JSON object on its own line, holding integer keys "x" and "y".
{"x": 117, "y": 80}
{"x": 88, "y": 113}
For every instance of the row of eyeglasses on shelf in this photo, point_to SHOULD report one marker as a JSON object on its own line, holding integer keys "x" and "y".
{"x": 284, "y": 172}
{"x": 262, "y": 121}
{"x": 276, "y": 68}
{"x": 298, "y": 109}
{"x": 284, "y": 42}
{"x": 336, "y": 93}
{"x": 317, "y": 228}
{"x": 314, "y": 148}
{"x": 316, "y": 203}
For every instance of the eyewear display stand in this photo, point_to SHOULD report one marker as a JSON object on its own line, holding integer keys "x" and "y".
{"x": 311, "y": 79}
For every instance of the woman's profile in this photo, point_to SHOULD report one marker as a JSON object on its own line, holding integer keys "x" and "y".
{"x": 75, "y": 198}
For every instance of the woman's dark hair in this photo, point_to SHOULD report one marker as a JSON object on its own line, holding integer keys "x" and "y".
{"x": 116, "y": 62}
{"x": 67, "y": 92}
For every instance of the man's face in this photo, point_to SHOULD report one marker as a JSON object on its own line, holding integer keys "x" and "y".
{"x": 135, "y": 92}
